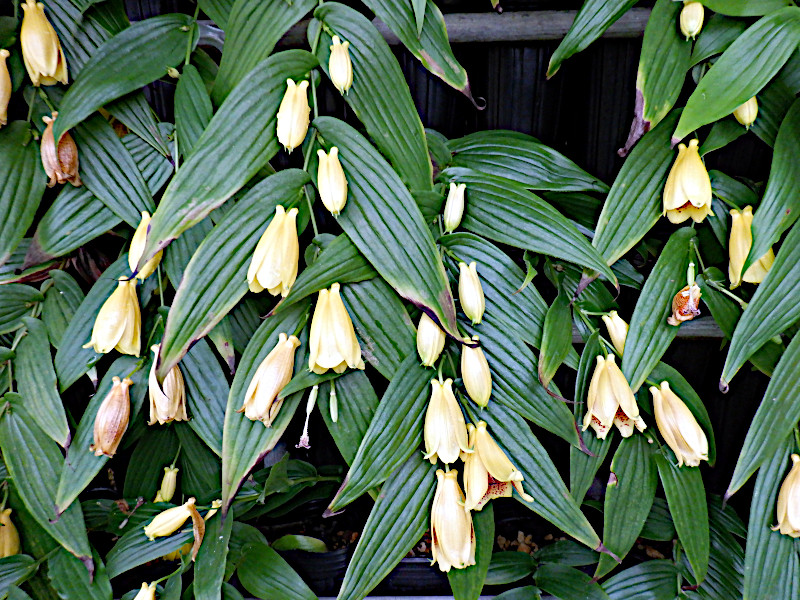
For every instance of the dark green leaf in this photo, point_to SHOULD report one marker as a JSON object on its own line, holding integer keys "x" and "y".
{"x": 61, "y": 302}
{"x": 134, "y": 548}
{"x": 649, "y": 335}
{"x": 745, "y": 8}
{"x": 466, "y": 584}
{"x": 651, "y": 580}
{"x": 659, "y": 526}
{"x": 528, "y": 592}
{"x": 508, "y": 567}
{"x": 210, "y": 563}
{"x": 154, "y": 450}
{"x": 774, "y": 101}
{"x": 218, "y": 10}
{"x": 206, "y": 393}
{"x": 201, "y": 468}
{"x": 717, "y": 34}
{"x": 568, "y": 583}
{"x": 193, "y": 109}
{"x": 556, "y": 336}
{"x": 154, "y": 166}
{"x": 566, "y": 552}
{"x": 722, "y": 133}
{"x": 16, "y": 300}
{"x": 357, "y": 403}
{"x": 69, "y": 577}
{"x": 265, "y": 574}
{"x": 136, "y": 114}
{"x": 177, "y": 255}
{"x": 299, "y": 542}
{"x": 15, "y": 570}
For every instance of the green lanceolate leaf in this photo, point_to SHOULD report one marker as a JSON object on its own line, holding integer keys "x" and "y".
{"x": 397, "y": 522}
{"x": 14, "y": 570}
{"x": 193, "y": 109}
{"x": 779, "y": 206}
{"x": 383, "y": 221}
{"x": 717, "y": 34}
{"x": 467, "y": 584}
{"x": 206, "y": 391}
{"x": 745, "y": 8}
{"x": 742, "y": 70}
{"x": 507, "y": 213}
{"x": 422, "y": 30}
{"x": 379, "y": 95}
{"x": 509, "y": 566}
{"x": 218, "y": 10}
{"x": 686, "y": 497}
{"x": 653, "y": 579}
{"x": 72, "y": 359}
{"x": 722, "y": 133}
{"x": 22, "y": 183}
{"x": 629, "y": 496}
{"x": 662, "y": 69}
{"x": 339, "y": 261}
{"x": 774, "y": 101}
{"x": 61, "y": 302}
{"x": 254, "y": 27}
{"x": 201, "y": 468}
{"x": 556, "y": 336}
{"x": 36, "y": 379}
{"x": 523, "y": 159}
{"x": 69, "y": 577}
{"x": 594, "y": 17}
{"x": 394, "y": 433}
{"x": 265, "y": 574}
{"x": 216, "y": 278}
{"x": 155, "y": 448}
{"x": 34, "y": 461}
{"x": 210, "y": 563}
{"x": 241, "y": 133}
{"x": 649, "y": 335}
{"x": 180, "y": 252}
{"x": 773, "y": 308}
{"x": 357, "y": 402}
{"x": 134, "y": 548}
{"x": 634, "y": 203}
{"x": 777, "y": 415}
{"x": 81, "y": 465}
{"x": 127, "y": 62}
{"x": 16, "y": 301}
{"x": 565, "y": 582}
{"x": 244, "y": 442}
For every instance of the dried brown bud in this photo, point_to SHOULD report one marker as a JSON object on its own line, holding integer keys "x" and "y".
{"x": 62, "y": 165}
{"x": 112, "y": 418}
{"x": 685, "y": 305}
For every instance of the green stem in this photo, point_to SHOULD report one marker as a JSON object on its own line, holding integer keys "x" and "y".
{"x": 723, "y": 290}
{"x": 191, "y": 36}
{"x": 160, "y": 285}
{"x": 797, "y": 438}
{"x": 306, "y": 160}
{"x": 177, "y": 454}
{"x": 46, "y": 100}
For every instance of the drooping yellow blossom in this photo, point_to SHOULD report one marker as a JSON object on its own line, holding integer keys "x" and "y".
{"x": 488, "y": 472}
{"x": 168, "y": 484}
{"x": 61, "y": 163}
{"x": 332, "y": 339}
{"x": 331, "y": 182}
{"x": 112, "y": 418}
{"x": 293, "y": 115}
{"x": 470, "y": 292}
{"x": 5, "y": 87}
{"x": 275, "y": 260}
{"x": 41, "y": 49}
{"x": 475, "y": 373}
{"x": 617, "y": 330}
{"x": 167, "y": 400}
{"x": 678, "y": 426}
{"x": 691, "y": 18}
{"x": 119, "y": 322}
{"x": 610, "y": 400}
{"x": 747, "y": 112}
{"x": 789, "y": 502}
{"x": 430, "y": 340}
{"x": 687, "y": 192}
{"x": 169, "y": 521}
{"x": 445, "y": 430}
{"x": 685, "y": 305}
{"x": 454, "y": 207}
{"x": 261, "y": 402}
{"x": 739, "y": 244}
{"x": 137, "y": 249}
{"x": 9, "y": 536}
{"x": 148, "y": 592}
{"x": 452, "y": 532}
{"x": 340, "y": 68}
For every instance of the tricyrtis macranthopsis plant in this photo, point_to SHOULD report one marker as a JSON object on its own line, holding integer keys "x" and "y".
{"x": 298, "y": 238}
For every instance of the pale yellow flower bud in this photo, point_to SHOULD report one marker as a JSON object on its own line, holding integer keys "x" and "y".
{"x": 169, "y": 521}
{"x": 215, "y": 506}
{"x": 611, "y": 400}
{"x": 277, "y": 254}
{"x": 60, "y": 164}
{"x": 168, "y": 400}
{"x": 454, "y": 207}
{"x": 789, "y": 502}
{"x": 678, "y": 426}
{"x": 746, "y": 113}
{"x": 148, "y": 592}
{"x": 617, "y": 330}
{"x": 685, "y": 305}
{"x": 739, "y": 244}
{"x": 332, "y": 339}
{"x": 340, "y": 68}
{"x": 475, "y": 373}
{"x": 293, "y": 115}
{"x": 687, "y": 192}
{"x": 331, "y": 182}
{"x": 691, "y": 19}
{"x": 452, "y": 532}
{"x": 168, "y": 484}
{"x": 9, "y": 536}
{"x": 5, "y": 87}
{"x": 445, "y": 430}
{"x": 119, "y": 322}
{"x": 470, "y": 292}
{"x": 137, "y": 249}
{"x": 261, "y": 402}
{"x": 41, "y": 49}
{"x": 430, "y": 340}
{"x": 112, "y": 418}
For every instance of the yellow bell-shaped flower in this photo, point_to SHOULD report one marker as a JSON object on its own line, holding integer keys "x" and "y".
{"x": 789, "y": 502}
{"x": 147, "y": 592}
{"x": 340, "y": 68}
{"x": 169, "y": 521}
{"x": 475, "y": 373}
{"x": 617, "y": 330}
{"x": 119, "y": 322}
{"x": 430, "y": 340}
{"x": 112, "y": 418}
{"x": 470, "y": 292}
{"x": 41, "y": 49}
{"x": 167, "y": 400}
{"x": 678, "y": 426}
{"x": 445, "y": 430}
{"x": 739, "y": 244}
{"x": 332, "y": 339}
{"x": 452, "y": 532}
{"x": 9, "y": 536}
{"x": 293, "y": 115}
{"x": 277, "y": 254}
{"x": 454, "y": 207}
{"x": 168, "y": 484}
{"x": 692, "y": 15}
{"x": 687, "y": 192}
{"x": 261, "y": 402}
{"x": 137, "y": 249}
{"x": 5, "y": 87}
{"x": 746, "y": 113}
{"x": 59, "y": 162}
{"x": 611, "y": 400}
{"x": 331, "y": 182}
